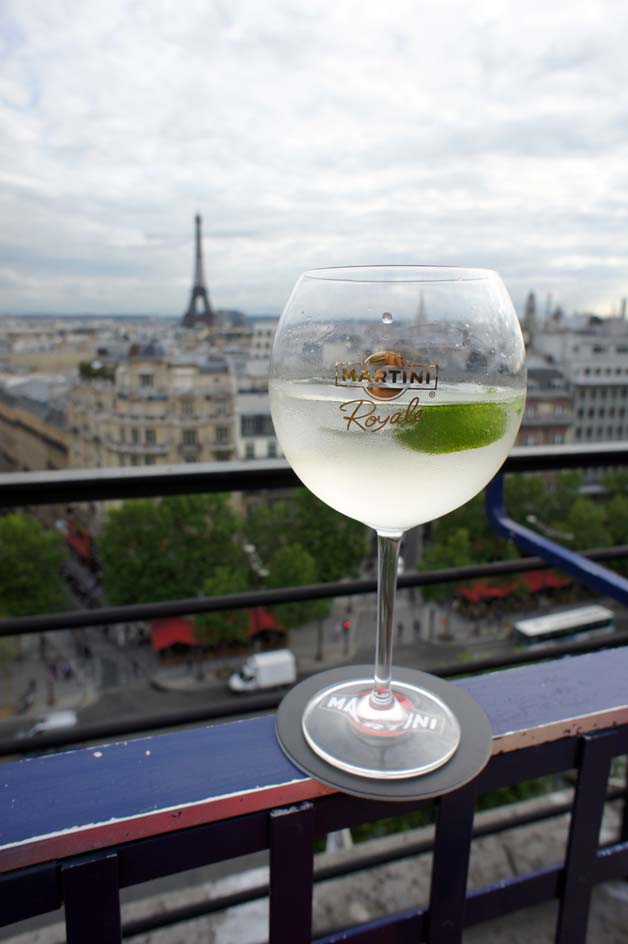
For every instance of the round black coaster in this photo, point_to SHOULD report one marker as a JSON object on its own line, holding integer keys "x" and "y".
{"x": 472, "y": 755}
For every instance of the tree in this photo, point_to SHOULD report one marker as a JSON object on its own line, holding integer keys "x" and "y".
{"x": 588, "y": 524}
{"x": 164, "y": 549}
{"x": 224, "y": 627}
{"x": 617, "y": 516}
{"x": 338, "y": 544}
{"x": 292, "y": 565}
{"x": 616, "y": 482}
{"x": 454, "y": 551}
{"x": 30, "y": 567}
{"x": 267, "y": 526}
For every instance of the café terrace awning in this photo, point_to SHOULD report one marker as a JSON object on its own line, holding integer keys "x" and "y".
{"x": 480, "y": 591}
{"x": 178, "y": 629}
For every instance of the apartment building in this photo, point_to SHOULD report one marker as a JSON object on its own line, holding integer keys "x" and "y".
{"x": 153, "y": 408}
{"x": 33, "y": 433}
{"x": 549, "y": 412}
{"x": 593, "y": 355}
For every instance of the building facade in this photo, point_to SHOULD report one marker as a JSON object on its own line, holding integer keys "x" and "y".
{"x": 155, "y": 409}
{"x": 548, "y": 418}
{"x": 33, "y": 433}
{"x": 594, "y": 358}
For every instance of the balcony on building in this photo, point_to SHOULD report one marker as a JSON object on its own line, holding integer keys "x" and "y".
{"x": 83, "y": 825}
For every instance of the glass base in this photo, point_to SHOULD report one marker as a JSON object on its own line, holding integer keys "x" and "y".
{"x": 415, "y": 735}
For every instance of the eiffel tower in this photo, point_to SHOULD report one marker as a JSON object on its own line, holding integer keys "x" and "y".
{"x": 199, "y": 296}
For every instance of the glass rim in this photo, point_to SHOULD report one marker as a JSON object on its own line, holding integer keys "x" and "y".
{"x": 400, "y": 273}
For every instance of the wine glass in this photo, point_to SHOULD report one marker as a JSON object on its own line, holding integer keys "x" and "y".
{"x": 396, "y": 393}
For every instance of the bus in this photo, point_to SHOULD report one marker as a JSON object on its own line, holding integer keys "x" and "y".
{"x": 579, "y": 622}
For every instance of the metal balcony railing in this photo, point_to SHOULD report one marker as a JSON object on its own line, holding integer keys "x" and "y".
{"x": 181, "y": 800}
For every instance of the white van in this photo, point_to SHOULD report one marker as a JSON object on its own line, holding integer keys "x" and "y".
{"x": 265, "y": 670}
{"x": 53, "y": 721}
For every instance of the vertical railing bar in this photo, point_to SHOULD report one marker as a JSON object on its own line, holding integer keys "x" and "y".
{"x": 450, "y": 866}
{"x": 623, "y": 830}
{"x": 291, "y": 845}
{"x": 584, "y": 837}
{"x": 92, "y": 900}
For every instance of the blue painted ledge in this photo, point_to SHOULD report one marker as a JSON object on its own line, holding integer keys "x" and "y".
{"x": 63, "y": 804}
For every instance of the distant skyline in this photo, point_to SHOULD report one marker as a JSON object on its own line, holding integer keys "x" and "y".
{"x": 488, "y": 134}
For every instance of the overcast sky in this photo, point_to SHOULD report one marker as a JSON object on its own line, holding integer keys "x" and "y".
{"x": 308, "y": 134}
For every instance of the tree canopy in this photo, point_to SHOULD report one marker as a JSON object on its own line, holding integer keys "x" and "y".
{"x": 337, "y": 544}
{"x": 166, "y": 548}
{"x": 291, "y": 566}
{"x": 31, "y": 557}
{"x": 224, "y": 627}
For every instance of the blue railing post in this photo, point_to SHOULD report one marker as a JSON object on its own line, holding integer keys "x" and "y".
{"x": 291, "y": 874}
{"x": 91, "y": 898}
{"x": 450, "y": 866}
{"x": 584, "y": 837}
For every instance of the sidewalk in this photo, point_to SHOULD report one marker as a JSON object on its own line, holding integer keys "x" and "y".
{"x": 37, "y": 686}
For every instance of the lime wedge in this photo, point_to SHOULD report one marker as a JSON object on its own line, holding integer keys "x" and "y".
{"x": 453, "y": 427}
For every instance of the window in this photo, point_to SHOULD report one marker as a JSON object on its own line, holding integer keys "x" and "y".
{"x": 146, "y": 380}
{"x": 189, "y": 437}
{"x": 122, "y": 434}
{"x": 271, "y": 449}
{"x": 249, "y": 451}
{"x": 149, "y": 460}
{"x": 259, "y": 425}
{"x": 222, "y": 434}
{"x": 135, "y": 435}
{"x": 558, "y": 438}
{"x": 149, "y": 437}
{"x": 187, "y": 408}
{"x": 601, "y": 412}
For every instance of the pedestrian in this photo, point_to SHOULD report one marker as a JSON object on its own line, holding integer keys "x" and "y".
{"x": 400, "y": 631}
{"x": 416, "y": 626}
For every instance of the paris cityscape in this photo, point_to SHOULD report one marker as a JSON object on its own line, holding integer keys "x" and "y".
{"x": 106, "y": 392}
{"x": 168, "y": 171}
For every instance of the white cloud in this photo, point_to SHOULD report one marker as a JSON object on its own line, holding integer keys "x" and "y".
{"x": 349, "y": 132}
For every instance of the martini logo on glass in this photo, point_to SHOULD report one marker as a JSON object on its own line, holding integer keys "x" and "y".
{"x": 411, "y": 721}
{"x": 386, "y": 375}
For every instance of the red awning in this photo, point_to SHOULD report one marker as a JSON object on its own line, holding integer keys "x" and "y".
{"x": 79, "y": 540}
{"x": 261, "y": 620}
{"x": 536, "y": 580}
{"x": 177, "y": 629}
{"x": 168, "y": 632}
{"x": 533, "y": 580}
{"x": 484, "y": 591}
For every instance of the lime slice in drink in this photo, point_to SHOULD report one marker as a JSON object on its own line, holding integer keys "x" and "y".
{"x": 453, "y": 427}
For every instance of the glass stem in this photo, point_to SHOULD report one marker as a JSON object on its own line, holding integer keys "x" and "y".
{"x": 387, "y": 556}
